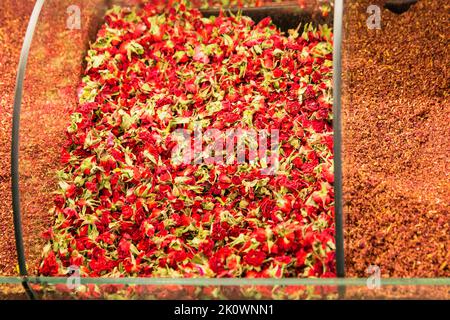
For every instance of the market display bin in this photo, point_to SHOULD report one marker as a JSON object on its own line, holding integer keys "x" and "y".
{"x": 396, "y": 191}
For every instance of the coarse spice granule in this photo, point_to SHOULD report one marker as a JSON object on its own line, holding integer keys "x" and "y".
{"x": 396, "y": 126}
{"x": 54, "y": 68}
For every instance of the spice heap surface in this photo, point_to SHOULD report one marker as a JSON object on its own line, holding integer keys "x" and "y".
{"x": 396, "y": 144}
{"x": 125, "y": 208}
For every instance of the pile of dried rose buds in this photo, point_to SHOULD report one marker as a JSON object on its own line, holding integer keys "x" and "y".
{"x": 126, "y": 208}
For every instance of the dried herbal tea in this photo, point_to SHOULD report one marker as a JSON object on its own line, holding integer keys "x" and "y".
{"x": 132, "y": 202}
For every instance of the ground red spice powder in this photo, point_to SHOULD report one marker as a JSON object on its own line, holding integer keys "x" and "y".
{"x": 396, "y": 126}
{"x": 14, "y": 17}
